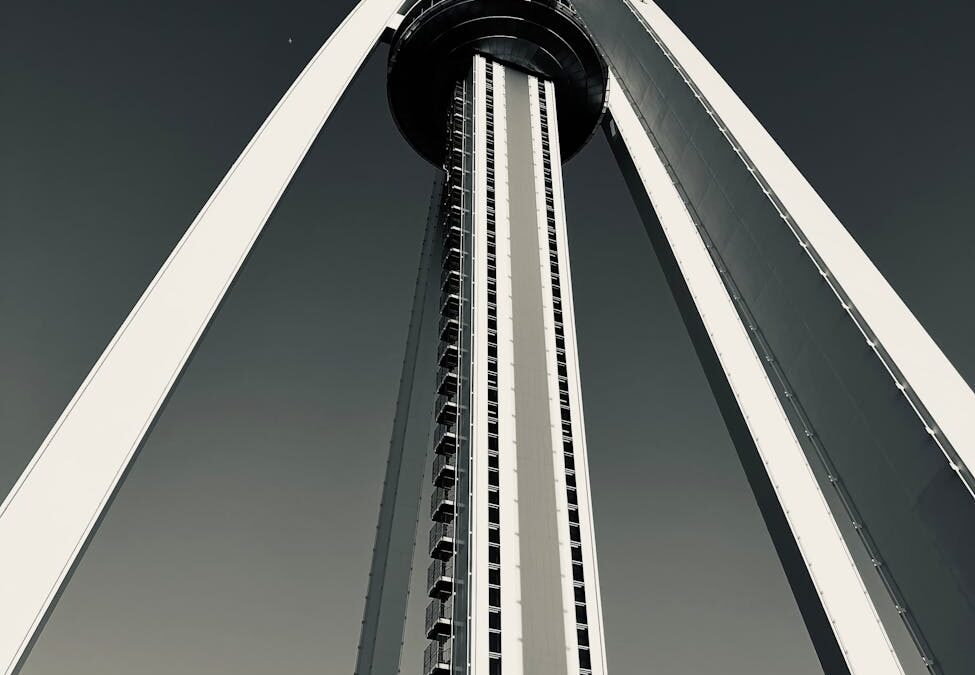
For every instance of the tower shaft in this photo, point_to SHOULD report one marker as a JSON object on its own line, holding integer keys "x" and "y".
{"x": 513, "y": 581}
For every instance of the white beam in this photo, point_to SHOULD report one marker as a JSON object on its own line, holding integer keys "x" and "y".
{"x": 857, "y": 627}
{"x": 51, "y": 511}
{"x": 918, "y": 367}
{"x": 395, "y": 21}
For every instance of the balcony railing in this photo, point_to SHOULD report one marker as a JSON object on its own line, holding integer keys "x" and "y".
{"x": 447, "y": 382}
{"x": 451, "y": 257}
{"x": 447, "y": 355}
{"x": 448, "y": 329}
{"x": 440, "y": 579}
{"x": 446, "y": 410}
{"x": 442, "y": 504}
{"x": 444, "y": 470}
{"x": 444, "y": 440}
{"x": 452, "y": 236}
{"x": 436, "y": 658}
{"x": 439, "y": 615}
{"x": 450, "y": 281}
{"x": 442, "y": 541}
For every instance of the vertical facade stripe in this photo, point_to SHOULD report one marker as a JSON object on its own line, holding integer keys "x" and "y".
{"x": 479, "y": 495}
{"x": 580, "y": 467}
{"x": 511, "y": 633}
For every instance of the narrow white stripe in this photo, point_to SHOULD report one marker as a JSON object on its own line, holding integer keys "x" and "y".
{"x": 478, "y": 588}
{"x": 594, "y": 607}
{"x": 511, "y": 632}
{"x": 551, "y": 366}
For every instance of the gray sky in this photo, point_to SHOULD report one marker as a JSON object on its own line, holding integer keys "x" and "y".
{"x": 239, "y": 542}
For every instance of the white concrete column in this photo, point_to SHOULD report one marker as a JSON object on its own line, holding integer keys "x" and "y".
{"x": 918, "y": 368}
{"x": 862, "y": 638}
{"x": 51, "y": 511}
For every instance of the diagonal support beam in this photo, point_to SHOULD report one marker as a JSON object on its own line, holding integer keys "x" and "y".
{"x": 839, "y": 614}
{"x": 384, "y": 617}
{"x": 53, "y": 509}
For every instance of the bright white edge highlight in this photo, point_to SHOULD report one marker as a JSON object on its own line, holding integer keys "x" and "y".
{"x": 512, "y": 655}
{"x": 477, "y": 585}
{"x": 864, "y": 641}
{"x": 941, "y": 389}
{"x": 551, "y": 366}
{"x": 594, "y": 606}
{"x": 51, "y": 511}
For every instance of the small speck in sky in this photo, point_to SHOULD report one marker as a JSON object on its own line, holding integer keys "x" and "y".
{"x": 290, "y": 41}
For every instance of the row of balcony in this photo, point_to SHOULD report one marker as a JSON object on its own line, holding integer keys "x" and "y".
{"x": 440, "y": 575}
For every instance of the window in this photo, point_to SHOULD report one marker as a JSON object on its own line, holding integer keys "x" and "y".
{"x": 583, "y": 636}
{"x": 494, "y": 642}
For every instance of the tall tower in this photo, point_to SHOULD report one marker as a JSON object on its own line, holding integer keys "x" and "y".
{"x": 499, "y": 94}
{"x": 855, "y": 431}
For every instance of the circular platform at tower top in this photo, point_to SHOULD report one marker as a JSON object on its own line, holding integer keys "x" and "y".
{"x": 434, "y": 46}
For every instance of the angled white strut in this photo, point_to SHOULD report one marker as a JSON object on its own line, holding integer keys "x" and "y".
{"x": 49, "y": 515}
{"x": 862, "y": 638}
